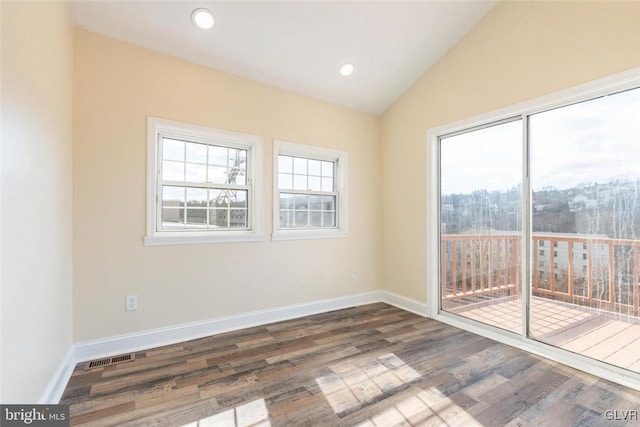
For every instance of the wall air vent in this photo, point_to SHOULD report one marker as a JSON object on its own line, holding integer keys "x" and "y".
{"x": 107, "y": 361}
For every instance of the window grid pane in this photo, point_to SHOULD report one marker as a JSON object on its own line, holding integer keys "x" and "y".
{"x": 189, "y": 208}
{"x": 297, "y": 173}
{"x": 314, "y": 210}
{"x": 203, "y": 163}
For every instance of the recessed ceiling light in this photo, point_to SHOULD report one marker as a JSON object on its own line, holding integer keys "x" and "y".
{"x": 346, "y": 69}
{"x": 202, "y": 18}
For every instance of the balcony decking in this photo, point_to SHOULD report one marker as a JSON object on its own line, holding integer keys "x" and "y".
{"x": 611, "y": 338}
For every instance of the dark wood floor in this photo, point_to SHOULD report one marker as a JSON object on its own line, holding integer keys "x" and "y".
{"x": 373, "y": 365}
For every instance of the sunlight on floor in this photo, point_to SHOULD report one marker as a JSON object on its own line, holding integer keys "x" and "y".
{"x": 350, "y": 386}
{"x": 252, "y": 414}
{"x": 426, "y": 408}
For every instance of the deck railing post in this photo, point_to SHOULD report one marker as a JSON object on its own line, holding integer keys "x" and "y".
{"x": 498, "y": 269}
{"x": 570, "y": 268}
{"x": 552, "y": 268}
{"x": 490, "y": 269}
{"x": 473, "y": 265}
{"x": 454, "y": 269}
{"x": 464, "y": 266}
{"x": 534, "y": 268}
{"x": 482, "y": 263}
{"x": 636, "y": 272}
{"x": 513, "y": 262}
{"x": 612, "y": 272}
{"x": 589, "y": 271}
{"x": 443, "y": 272}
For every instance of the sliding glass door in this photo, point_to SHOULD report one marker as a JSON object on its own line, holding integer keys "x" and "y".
{"x": 481, "y": 222}
{"x": 555, "y": 193}
{"x": 585, "y": 177}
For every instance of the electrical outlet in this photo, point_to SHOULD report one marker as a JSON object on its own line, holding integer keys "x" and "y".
{"x": 131, "y": 303}
{"x": 354, "y": 275}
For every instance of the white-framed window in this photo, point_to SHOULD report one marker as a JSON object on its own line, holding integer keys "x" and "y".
{"x": 310, "y": 191}
{"x": 201, "y": 184}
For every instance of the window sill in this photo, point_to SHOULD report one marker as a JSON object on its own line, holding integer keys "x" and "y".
{"x": 308, "y": 234}
{"x": 199, "y": 239}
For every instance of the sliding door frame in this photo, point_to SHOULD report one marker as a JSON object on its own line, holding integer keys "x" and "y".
{"x": 598, "y": 88}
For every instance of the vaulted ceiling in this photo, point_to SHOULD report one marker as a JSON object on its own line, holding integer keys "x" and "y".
{"x": 296, "y": 45}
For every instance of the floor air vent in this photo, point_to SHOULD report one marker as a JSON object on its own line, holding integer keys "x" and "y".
{"x": 111, "y": 360}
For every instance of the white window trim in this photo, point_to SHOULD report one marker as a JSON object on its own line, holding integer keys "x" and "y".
{"x": 601, "y": 87}
{"x": 295, "y": 149}
{"x": 252, "y": 143}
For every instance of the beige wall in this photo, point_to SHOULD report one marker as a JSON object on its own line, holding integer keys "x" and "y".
{"x": 519, "y": 51}
{"x": 117, "y": 85}
{"x": 36, "y": 323}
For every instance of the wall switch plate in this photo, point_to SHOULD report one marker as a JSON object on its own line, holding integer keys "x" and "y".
{"x": 131, "y": 303}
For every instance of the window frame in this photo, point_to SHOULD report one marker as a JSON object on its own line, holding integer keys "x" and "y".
{"x": 312, "y": 152}
{"x": 158, "y": 128}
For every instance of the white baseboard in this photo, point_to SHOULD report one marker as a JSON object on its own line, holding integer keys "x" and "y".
{"x": 58, "y": 382}
{"x": 188, "y": 331}
{"x": 405, "y": 303}
{"x": 144, "y": 340}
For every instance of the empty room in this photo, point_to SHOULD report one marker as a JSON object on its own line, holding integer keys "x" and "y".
{"x": 324, "y": 213}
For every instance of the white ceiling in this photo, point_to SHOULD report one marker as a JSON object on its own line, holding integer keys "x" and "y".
{"x": 299, "y": 46}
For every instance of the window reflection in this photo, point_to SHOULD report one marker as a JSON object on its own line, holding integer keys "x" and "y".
{"x": 350, "y": 386}
{"x": 252, "y": 414}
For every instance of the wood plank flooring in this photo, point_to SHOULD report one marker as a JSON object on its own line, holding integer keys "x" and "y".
{"x": 373, "y": 365}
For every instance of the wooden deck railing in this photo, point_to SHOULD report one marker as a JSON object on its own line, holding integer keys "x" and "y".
{"x": 483, "y": 264}
{"x": 491, "y": 264}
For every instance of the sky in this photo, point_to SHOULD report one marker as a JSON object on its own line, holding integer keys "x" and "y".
{"x": 593, "y": 141}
